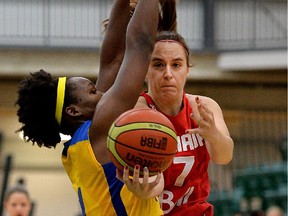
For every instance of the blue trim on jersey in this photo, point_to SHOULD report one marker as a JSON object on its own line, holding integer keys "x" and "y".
{"x": 80, "y": 135}
{"x": 81, "y": 202}
{"x": 115, "y": 186}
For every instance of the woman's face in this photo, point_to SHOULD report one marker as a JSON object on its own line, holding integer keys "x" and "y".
{"x": 18, "y": 204}
{"x": 168, "y": 69}
{"x": 86, "y": 96}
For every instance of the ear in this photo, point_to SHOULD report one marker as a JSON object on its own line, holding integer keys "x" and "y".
{"x": 72, "y": 110}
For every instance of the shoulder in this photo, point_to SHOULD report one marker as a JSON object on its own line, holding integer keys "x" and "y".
{"x": 211, "y": 103}
{"x": 141, "y": 103}
{"x": 205, "y": 99}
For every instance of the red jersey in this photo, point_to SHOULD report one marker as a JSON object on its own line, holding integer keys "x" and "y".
{"x": 186, "y": 180}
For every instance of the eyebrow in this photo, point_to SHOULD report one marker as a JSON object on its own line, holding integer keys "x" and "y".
{"x": 160, "y": 59}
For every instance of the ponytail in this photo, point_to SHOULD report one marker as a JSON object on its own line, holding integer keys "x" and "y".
{"x": 168, "y": 16}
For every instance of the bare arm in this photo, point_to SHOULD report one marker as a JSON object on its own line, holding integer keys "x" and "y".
{"x": 213, "y": 129}
{"x": 124, "y": 93}
{"x": 113, "y": 46}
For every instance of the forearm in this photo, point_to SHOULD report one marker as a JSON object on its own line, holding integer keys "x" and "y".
{"x": 220, "y": 147}
{"x": 113, "y": 46}
{"x": 143, "y": 28}
{"x": 212, "y": 127}
{"x": 140, "y": 40}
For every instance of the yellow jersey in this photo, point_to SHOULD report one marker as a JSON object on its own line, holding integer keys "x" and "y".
{"x": 100, "y": 193}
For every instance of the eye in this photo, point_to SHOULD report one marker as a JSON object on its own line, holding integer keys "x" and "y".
{"x": 177, "y": 64}
{"x": 158, "y": 65}
{"x": 91, "y": 88}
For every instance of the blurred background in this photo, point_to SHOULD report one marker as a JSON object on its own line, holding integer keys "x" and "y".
{"x": 240, "y": 51}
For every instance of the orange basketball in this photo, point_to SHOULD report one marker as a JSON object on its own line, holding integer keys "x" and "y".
{"x": 142, "y": 136}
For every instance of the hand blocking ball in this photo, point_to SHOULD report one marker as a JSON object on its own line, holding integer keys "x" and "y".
{"x": 142, "y": 136}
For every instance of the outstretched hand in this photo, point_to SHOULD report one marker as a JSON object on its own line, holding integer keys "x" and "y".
{"x": 145, "y": 187}
{"x": 212, "y": 128}
{"x": 205, "y": 121}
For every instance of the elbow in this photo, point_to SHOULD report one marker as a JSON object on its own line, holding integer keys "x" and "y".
{"x": 226, "y": 155}
{"x": 223, "y": 160}
{"x": 141, "y": 41}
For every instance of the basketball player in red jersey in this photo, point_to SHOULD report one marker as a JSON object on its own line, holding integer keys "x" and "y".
{"x": 198, "y": 120}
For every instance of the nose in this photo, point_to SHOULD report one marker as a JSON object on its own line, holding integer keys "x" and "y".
{"x": 168, "y": 73}
{"x": 19, "y": 209}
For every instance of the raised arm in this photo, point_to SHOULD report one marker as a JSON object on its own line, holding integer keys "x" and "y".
{"x": 123, "y": 95}
{"x": 113, "y": 46}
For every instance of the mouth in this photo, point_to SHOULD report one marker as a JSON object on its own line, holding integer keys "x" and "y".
{"x": 167, "y": 86}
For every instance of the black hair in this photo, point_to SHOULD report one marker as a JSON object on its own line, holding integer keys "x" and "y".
{"x": 167, "y": 16}
{"x": 37, "y": 103}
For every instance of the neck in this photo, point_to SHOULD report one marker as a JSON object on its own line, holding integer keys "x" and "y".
{"x": 168, "y": 105}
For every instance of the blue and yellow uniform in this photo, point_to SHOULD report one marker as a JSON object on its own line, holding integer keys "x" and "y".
{"x": 100, "y": 193}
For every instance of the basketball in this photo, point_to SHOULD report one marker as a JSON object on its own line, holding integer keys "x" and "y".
{"x": 142, "y": 136}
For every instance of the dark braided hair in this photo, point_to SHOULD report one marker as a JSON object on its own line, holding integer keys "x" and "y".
{"x": 37, "y": 103}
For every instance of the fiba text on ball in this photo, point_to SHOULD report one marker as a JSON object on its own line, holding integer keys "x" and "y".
{"x": 154, "y": 142}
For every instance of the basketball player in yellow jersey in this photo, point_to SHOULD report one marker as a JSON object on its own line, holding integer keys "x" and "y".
{"x": 77, "y": 107}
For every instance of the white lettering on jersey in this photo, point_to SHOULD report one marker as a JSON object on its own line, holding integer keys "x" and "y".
{"x": 167, "y": 196}
{"x": 183, "y": 200}
{"x": 185, "y": 142}
{"x": 188, "y": 142}
{"x": 188, "y": 162}
{"x": 200, "y": 139}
